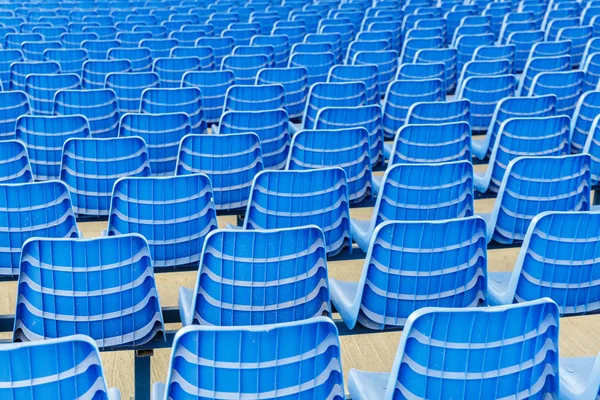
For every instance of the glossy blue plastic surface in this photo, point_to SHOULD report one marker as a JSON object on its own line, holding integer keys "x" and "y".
{"x": 41, "y": 88}
{"x": 34, "y": 51}
{"x": 439, "y": 112}
{"x": 466, "y": 46}
{"x": 98, "y": 49}
{"x": 578, "y": 36}
{"x": 587, "y": 109}
{"x": 213, "y": 86}
{"x": 535, "y": 66}
{"x": 592, "y": 72}
{"x": 98, "y": 106}
{"x": 483, "y": 68}
{"x": 317, "y": 65}
{"x": 222, "y": 46}
{"x": 448, "y": 57}
{"x": 524, "y": 42}
{"x": 295, "y": 84}
{"x": 70, "y": 60}
{"x": 281, "y": 47}
{"x": 368, "y": 74}
{"x": 171, "y": 70}
{"x": 13, "y": 104}
{"x": 204, "y": 54}
{"x": 567, "y": 86}
{"x": 20, "y": 70}
{"x": 159, "y": 47}
{"x": 7, "y": 57}
{"x": 495, "y": 53}
{"x": 386, "y": 61}
{"x": 186, "y": 99}
{"x": 95, "y": 71}
{"x": 245, "y": 68}
{"x": 129, "y": 88}
{"x": 103, "y": 288}
{"x": 254, "y": 98}
{"x": 411, "y": 265}
{"x": 321, "y": 95}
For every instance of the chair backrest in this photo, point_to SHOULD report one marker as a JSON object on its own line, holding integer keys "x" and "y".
{"x": 587, "y": 109}
{"x": 41, "y": 88}
{"x": 524, "y": 42}
{"x": 14, "y": 163}
{"x": 160, "y": 47}
{"x": 507, "y": 337}
{"x": 495, "y": 53}
{"x": 221, "y": 46}
{"x": 550, "y": 49}
{"x": 317, "y": 65}
{"x": 70, "y": 60}
{"x": 79, "y": 372}
{"x": 140, "y": 59}
{"x": 321, "y": 95}
{"x": 294, "y": 344}
{"x": 254, "y": 97}
{"x": 286, "y": 199}
{"x": 245, "y": 68}
{"x": 367, "y": 74}
{"x": 592, "y": 72}
{"x": 483, "y": 93}
{"x": 368, "y": 117}
{"x": 186, "y": 38}
{"x": 129, "y": 86}
{"x": 34, "y": 51}
{"x": 73, "y": 40}
{"x": 295, "y": 84}
{"x": 401, "y": 95}
{"x": 90, "y": 168}
{"x": 567, "y": 86}
{"x": 280, "y": 44}
{"x": 434, "y": 143}
{"x": 290, "y": 279}
{"x": 13, "y": 104}
{"x": 15, "y": 40}
{"x": 432, "y": 58}
{"x": 94, "y": 72}
{"x": 7, "y": 57}
{"x": 439, "y": 112}
{"x": 386, "y": 61}
{"x": 231, "y": 164}
{"x": 483, "y": 68}
{"x": 535, "y": 66}
{"x": 44, "y": 137}
{"x": 204, "y": 54}
{"x": 412, "y": 46}
{"x": 345, "y": 148}
{"x": 20, "y": 70}
{"x": 84, "y": 273}
{"x": 173, "y": 213}
{"x": 365, "y": 45}
{"x": 162, "y": 134}
{"x": 403, "y": 259}
{"x": 98, "y": 49}
{"x": 466, "y": 46}
{"x": 170, "y": 100}
{"x": 171, "y": 70}
{"x": 41, "y": 209}
{"x": 539, "y": 184}
{"x": 213, "y": 86}
{"x": 425, "y": 192}
{"x": 98, "y": 106}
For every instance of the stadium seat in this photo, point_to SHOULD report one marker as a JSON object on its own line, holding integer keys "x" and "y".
{"x": 425, "y": 71}
{"x": 535, "y": 66}
{"x": 132, "y": 39}
{"x": 284, "y": 347}
{"x": 50, "y": 34}
{"x": 221, "y": 46}
{"x": 345, "y": 148}
{"x": 98, "y": 49}
{"x": 204, "y": 54}
{"x": 579, "y": 377}
{"x": 550, "y": 49}
{"x": 532, "y": 185}
{"x": 288, "y": 280}
{"x": 483, "y": 68}
{"x": 245, "y": 68}
{"x": 439, "y": 112}
{"x": 129, "y": 87}
{"x": 363, "y": 45}
{"x": 281, "y": 47}
{"x": 592, "y": 72}
{"x": 231, "y": 164}
{"x": 295, "y": 84}
{"x": 162, "y": 134}
{"x": 483, "y": 93}
{"x": 271, "y": 126}
{"x": 41, "y": 88}
{"x": 567, "y": 86}
{"x": 73, "y": 40}
{"x": 448, "y": 57}
{"x": 170, "y": 100}
{"x": 592, "y": 46}
{"x": 368, "y": 74}
{"x": 495, "y": 53}
{"x": 386, "y": 61}
{"x": 513, "y": 27}
{"x": 418, "y": 192}
{"x": 44, "y": 137}
{"x": 249, "y": 50}
{"x": 412, "y": 46}
{"x": 34, "y": 51}
{"x": 7, "y": 57}
{"x": 524, "y": 42}
{"x": 171, "y": 70}
{"x": 588, "y": 107}
{"x": 70, "y": 60}
{"x": 94, "y": 72}
{"x": 174, "y": 214}
{"x": 213, "y": 86}
{"x": 90, "y": 168}
{"x": 41, "y": 209}
{"x": 452, "y": 253}
{"x": 79, "y": 373}
{"x": 433, "y": 363}
{"x": 524, "y": 137}
{"x": 368, "y": 117}
{"x": 20, "y": 70}
{"x": 82, "y": 274}
{"x": 186, "y": 38}
{"x": 317, "y": 65}
{"x": 159, "y": 47}
{"x": 15, "y": 40}
{"x": 14, "y": 163}
{"x": 466, "y": 46}
{"x": 321, "y": 95}
{"x": 401, "y": 95}
{"x": 98, "y": 106}
{"x": 430, "y": 144}
{"x": 140, "y": 59}
{"x": 513, "y": 107}
{"x": 254, "y": 98}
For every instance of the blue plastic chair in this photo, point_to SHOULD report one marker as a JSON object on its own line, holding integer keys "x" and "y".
{"x": 70, "y": 60}
{"x": 588, "y": 107}
{"x": 418, "y": 192}
{"x": 386, "y": 61}
{"x": 204, "y": 54}
{"x": 401, "y": 95}
{"x": 567, "y": 86}
{"x": 392, "y": 26}
{"x": 162, "y": 134}
{"x": 317, "y": 65}
{"x": 105, "y": 33}
{"x": 554, "y": 26}
{"x": 514, "y": 27}
{"x": 44, "y": 137}
{"x": 412, "y": 46}
{"x": 98, "y": 106}
{"x": 592, "y": 72}
{"x": 41, "y": 88}
{"x": 280, "y": 44}
{"x": 368, "y": 74}
{"x": 513, "y": 107}
{"x": 271, "y": 126}
{"x": 579, "y": 378}
{"x": 286, "y": 199}
{"x": 557, "y": 260}
{"x": 213, "y": 86}
{"x": 430, "y": 144}
{"x": 532, "y": 185}
{"x": 438, "y": 357}
{"x": 345, "y": 148}
{"x": 550, "y": 49}
{"x": 241, "y": 37}
{"x": 94, "y": 72}
{"x": 483, "y": 93}
{"x": 439, "y": 112}
{"x": 495, "y": 53}
{"x": 129, "y": 87}
{"x": 592, "y": 147}
{"x": 132, "y": 39}
{"x": 186, "y": 38}
{"x": 535, "y": 66}
{"x": 365, "y": 45}
{"x": 50, "y": 34}
{"x": 41, "y": 209}
{"x": 245, "y": 68}
{"x": 15, "y": 40}
{"x": 483, "y": 68}
{"x": 170, "y": 100}
{"x": 34, "y": 51}
{"x": 433, "y": 57}
{"x": 84, "y": 273}
{"x": 79, "y": 372}
{"x": 284, "y": 347}
{"x": 254, "y": 98}
{"x": 578, "y": 36}
{"x": 289, "y": 275}
{"x": 14, "y": 163}
{"x": 250, "y": 50}
{"x": 368, "y": 117}
{"x": 411, "y": 265}
{"x": 295, "y": 84}
{"x": 73, "y": 40}
{"x": 171, "y": 70}
{"x": 231, "y": 164}
{"x": 90, "y": 168}
{"x": 333, "y": 39}
{"x": 173, "y": 213}
{"x": 12, "y": 105}
{"x": 311, "y": 48}
{"x": 98, "y": 49}
{"x": 524, "y": 42}
{"x": 592, "y": 46}
{"x": 321, "y": 95}
{"x": 520, "y": 137}
{"x": 222, "y": 46}
{"x": 20, "y": 70}
{"x": 466, "y": 46}
{"x": 159, "y": 47}
{"x": 7, "y": 57}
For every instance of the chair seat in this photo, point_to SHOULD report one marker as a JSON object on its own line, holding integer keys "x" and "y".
{"x": 367, "y": 385}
